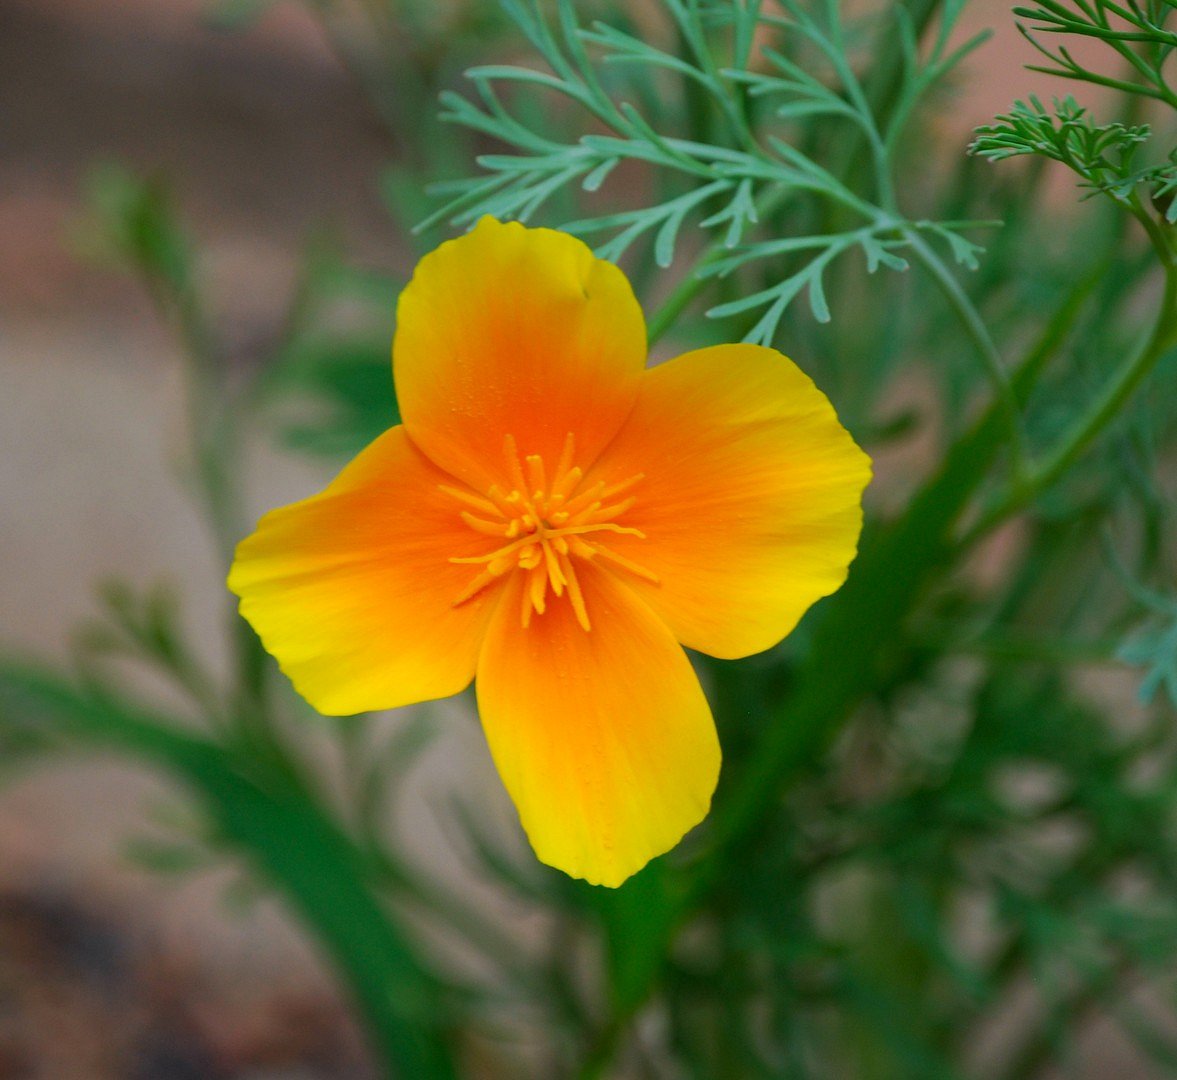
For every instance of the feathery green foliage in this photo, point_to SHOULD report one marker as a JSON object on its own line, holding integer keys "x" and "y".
{"x": 743, "y": 161}
{"x": 1104, "y": 157}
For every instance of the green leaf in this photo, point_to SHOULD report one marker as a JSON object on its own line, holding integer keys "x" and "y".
{"x": 288, "y": 835}
{"x": 348, "y": 385}
{"x": 1154, "y": 648}
{"x": 633, "y": 917}
{"x": 1101, "y": 155}
{"x": 133, "y": 221}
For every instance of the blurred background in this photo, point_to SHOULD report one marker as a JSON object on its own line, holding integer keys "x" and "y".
{"x": 107, "y": 968}
{"x": 263, "y": 125}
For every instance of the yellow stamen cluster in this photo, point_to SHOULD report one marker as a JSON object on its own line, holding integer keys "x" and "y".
{"x": 547, "y": 522}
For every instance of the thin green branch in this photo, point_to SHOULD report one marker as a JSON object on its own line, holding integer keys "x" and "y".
{"x": 978, "y": 333}
{"x": 1099, "y": 414}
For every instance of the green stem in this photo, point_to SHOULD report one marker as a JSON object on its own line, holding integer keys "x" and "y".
{"x": 1010, "y": 645}
{"x": 1106, "y": 407}
{"x": 681, "y": 296}
{"x": 883, "y": 89}
{"x": 214, "y": 447}
{"x": 211, "y": 432}
{"x": 880, "y": 157}
{"x": 721, "y": 91}
{"x": 214, "y": 436}
{"x": 975, "y": 327}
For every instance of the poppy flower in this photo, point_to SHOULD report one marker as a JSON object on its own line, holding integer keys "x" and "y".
{"x": 555, "y": 520}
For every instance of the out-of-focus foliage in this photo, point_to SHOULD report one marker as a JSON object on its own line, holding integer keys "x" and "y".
{"x": 943, "y": 841}
{"x": 1136, "y": 32}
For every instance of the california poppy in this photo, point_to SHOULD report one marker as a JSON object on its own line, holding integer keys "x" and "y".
{"x": 556, "y": 520}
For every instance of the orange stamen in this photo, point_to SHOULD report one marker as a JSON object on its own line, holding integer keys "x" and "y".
{"x": 469, "y": 498}
{"x": 576, "y": 597}
{"x": 487, "y": 528}
{"x": 545, "y": 518}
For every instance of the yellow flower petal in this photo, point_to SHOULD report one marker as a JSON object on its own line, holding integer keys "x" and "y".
{"x": 603, "y": 737}
{"x": 353, "y": 591}
{"x": 514, "y": 331}
{"x": 751, "y": 500}
{"x": 556, "y": 516}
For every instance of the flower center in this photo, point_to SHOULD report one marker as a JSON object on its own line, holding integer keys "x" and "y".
{"x": 548, "y": 522}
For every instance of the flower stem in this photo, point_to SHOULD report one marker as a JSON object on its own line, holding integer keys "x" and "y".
{"x": 975, "y": 327}
{"x": 1079, "y": 436}
{"x": 681, "y": 296}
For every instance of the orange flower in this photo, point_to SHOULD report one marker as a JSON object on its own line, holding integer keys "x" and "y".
{"x": 554, "y": 518}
